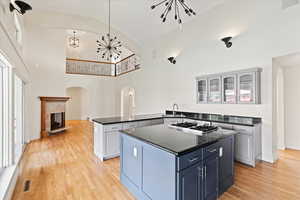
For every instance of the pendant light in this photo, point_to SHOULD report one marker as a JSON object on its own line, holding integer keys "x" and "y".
{"x": 74, "y": 41}
{"x": 176, "y": 4}
{"x": 108, "y": 46}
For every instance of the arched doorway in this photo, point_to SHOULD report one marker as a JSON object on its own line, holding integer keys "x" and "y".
{"x": 76, "y": 107}
{"x": 127, "y": 102}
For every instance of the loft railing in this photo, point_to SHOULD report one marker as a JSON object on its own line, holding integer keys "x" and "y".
{"x": 88, "y": 67}
{"x": 96, "y": 68}
{"x": 126, "y": 65}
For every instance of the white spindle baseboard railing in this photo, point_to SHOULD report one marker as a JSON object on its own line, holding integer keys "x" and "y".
{"x": 89, "y": 67}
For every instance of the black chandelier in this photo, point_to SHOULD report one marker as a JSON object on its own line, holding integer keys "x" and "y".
{"x": 108, "y": 47}
{"x": 168, "y": 7}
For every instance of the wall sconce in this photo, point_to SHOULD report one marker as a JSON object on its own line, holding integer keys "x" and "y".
{"x": 227, "y": 42}
{"x": 23, "y": 7}
{"x": 172, "y": 60}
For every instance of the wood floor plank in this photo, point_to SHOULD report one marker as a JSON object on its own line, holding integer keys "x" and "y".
{"x": 63, "y": 167}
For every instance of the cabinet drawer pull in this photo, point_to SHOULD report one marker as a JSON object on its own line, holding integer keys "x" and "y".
{"x": 212, "y": 151}
{"x": 193, "y": 159}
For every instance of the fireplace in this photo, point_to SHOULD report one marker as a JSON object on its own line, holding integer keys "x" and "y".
{"x": 57, "y": 121}
{"x": 53, "y": 115}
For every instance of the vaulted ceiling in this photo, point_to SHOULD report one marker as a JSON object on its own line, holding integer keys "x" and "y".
{"x": 132, "y": 17}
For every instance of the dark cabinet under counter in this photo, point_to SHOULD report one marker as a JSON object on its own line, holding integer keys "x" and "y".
{"x": 152, "y": 168}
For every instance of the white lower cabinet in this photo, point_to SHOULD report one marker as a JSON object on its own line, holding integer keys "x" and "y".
{"x": 244, "y": 149}
{"x": 248, "y": 146}
{"x": 106, "y": 141}
{"x": 107, "y": 137}
{"x": 112, "y": 144}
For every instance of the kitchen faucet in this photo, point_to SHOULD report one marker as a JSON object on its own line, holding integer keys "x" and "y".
{"x": 175, "y": 104}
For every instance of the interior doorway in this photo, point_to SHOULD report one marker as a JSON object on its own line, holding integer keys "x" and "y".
{"x": 128, "y": 102}
{"x": 286, "y": 106}
{"x": 77, "y": 106}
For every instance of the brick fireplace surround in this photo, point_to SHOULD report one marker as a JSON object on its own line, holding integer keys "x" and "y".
{"x": 50, "y": 105}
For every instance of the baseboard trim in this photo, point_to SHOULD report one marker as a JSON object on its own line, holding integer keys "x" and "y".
{"x": 12, "y": 183}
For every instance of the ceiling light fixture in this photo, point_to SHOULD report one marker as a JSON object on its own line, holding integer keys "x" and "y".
{"x": 172, "y": 60}
{"x": 22, "y": 6}
{"x": 108, "y": 46}
{"x": 74, "y": 41}
{"x": 227, "y": 42}
{"x": 168, "y": 7}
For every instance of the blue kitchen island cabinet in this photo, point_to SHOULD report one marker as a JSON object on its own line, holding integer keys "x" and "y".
{"x": 147, "y": 172}
{"x": 159, "y": 163}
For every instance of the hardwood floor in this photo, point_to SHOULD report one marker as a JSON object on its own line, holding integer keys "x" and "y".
{"x": 63, "y": 167}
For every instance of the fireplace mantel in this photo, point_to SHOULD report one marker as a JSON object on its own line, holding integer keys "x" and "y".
{"x": 50, "y": 105}
{"x": 54, "y": 98}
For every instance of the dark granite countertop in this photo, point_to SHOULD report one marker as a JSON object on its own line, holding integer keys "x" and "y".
{"x": 175, "y": 141}
{"x": 228, "y": 119}
{"x": 115, "y": 120}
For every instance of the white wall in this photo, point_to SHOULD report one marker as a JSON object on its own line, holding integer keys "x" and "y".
{"x": 76, "y": 107}
{"x": 8, "y": 43}
{"x": 292, "y": 107}
{"x": 258, "y": 28}
{"x": 101, "y": 94}
{"x": 45, "y": 54}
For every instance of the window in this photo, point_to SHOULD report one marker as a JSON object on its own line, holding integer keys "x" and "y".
{"x": 18, "y": 119}
{"x": 5, "y": 114}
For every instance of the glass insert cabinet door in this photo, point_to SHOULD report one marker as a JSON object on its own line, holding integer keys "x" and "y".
{"x": 229, "y": 89}
{"x": 214, "y": 90}
{"x": 202, "y": 91}
{"x": 246, "y": 88}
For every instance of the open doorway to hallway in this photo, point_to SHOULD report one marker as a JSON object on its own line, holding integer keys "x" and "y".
{"x": 127, "y": 102}
{"x": 286, "y": 106}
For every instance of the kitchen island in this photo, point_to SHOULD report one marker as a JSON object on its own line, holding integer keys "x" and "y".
{"x": 159, "y": 162}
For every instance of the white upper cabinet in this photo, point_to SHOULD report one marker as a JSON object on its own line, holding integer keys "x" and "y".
{"x": 242, "y": 87}
{"x": 249, "y": 87}
{"x": 246, "y": 87}
{"x": 201, "y": 90}
{"x": 214, "y": 90}
{"x": 229, "y": 92}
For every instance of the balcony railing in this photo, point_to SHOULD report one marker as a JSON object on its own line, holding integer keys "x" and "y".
{"x": 96, "y": 68}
